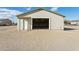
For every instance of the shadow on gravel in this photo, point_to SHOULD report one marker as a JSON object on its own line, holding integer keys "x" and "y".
{"x": 68, "y": 29}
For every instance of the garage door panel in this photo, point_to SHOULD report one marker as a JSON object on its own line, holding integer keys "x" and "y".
{"x": 40, "y": 23}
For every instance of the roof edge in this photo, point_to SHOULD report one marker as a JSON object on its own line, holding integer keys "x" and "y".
{"x": 29, "y": 12}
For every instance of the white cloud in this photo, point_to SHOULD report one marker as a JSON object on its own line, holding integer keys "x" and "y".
{"x": 54, "y": 8}
{"x": 12, "y": 12}
{"x": 29, "y": 8}
{"x": 9, "y": 14}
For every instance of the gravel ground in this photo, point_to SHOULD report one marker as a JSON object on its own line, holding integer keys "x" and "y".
{"x": 39, "y": 40}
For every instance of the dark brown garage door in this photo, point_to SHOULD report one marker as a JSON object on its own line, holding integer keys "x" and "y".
{"x": 40, "y": 23}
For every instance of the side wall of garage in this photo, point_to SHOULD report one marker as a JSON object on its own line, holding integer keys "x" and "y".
{"x": 23, "y": 24}
{"x": 18, "y": 24}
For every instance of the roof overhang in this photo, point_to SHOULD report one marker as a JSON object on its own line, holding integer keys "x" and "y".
{"x": 39, "y": 9}
{"x": 24, "y": 17}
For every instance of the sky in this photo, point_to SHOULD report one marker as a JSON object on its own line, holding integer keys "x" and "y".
{"x": 70, "y": 13}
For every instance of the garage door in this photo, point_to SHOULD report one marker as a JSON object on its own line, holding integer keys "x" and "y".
{"x": 40, "y": 23}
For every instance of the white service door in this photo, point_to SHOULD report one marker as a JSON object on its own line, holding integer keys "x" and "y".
{"x": 21, "y": 24}
{"x": 25, "y": 24}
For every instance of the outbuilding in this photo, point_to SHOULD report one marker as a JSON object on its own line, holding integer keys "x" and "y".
{"x": 74, "y": 22}
{"x": 40, "y": 19}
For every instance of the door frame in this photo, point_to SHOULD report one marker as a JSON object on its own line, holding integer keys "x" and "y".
{"x": 40, "y": 17}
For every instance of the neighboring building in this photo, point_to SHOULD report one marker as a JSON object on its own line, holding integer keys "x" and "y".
{"x": 40, "y": 19}
{"x": 74, "y": 22}
{"x": 67, "y": 22}
{"x": 5, "y": 22}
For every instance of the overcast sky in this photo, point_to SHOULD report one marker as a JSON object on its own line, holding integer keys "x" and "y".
{"x": 71, "y": 13}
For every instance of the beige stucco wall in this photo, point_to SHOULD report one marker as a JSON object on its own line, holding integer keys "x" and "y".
{"x": 56, "y": 21}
